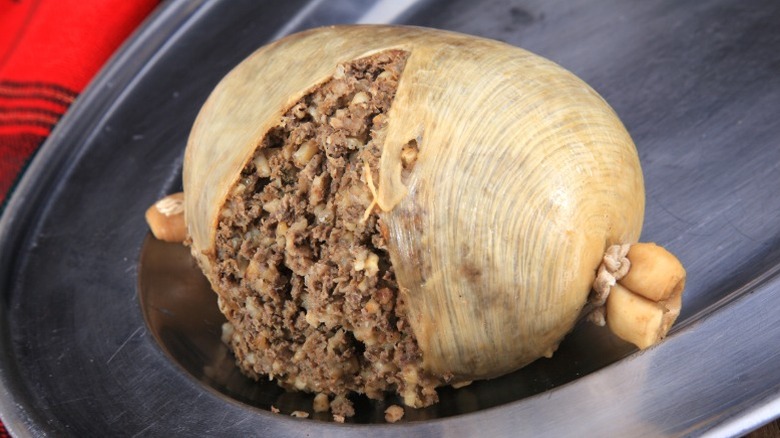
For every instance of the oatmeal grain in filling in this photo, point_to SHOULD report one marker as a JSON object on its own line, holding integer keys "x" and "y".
{"x": 308, "y": 285}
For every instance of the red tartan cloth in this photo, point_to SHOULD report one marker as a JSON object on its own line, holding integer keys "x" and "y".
{"x": 49, "y": 51}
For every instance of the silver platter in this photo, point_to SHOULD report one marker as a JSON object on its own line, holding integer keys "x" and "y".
{"x": 107, "y": 331}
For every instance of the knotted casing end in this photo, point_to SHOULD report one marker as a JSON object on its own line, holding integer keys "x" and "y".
{"x": 638, "y": 292}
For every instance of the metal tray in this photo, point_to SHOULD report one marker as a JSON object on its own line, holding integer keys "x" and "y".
{"x": 104, "y": 330}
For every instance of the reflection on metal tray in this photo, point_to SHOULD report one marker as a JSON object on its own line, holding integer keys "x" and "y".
{"x": 697, "y": 86}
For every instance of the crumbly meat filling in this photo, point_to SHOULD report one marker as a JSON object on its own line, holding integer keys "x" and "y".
{"x": 305, "y": 278}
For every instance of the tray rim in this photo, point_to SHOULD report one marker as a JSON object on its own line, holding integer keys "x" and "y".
{"x": 50, "y": 162}
{"x": 147, "y": 42}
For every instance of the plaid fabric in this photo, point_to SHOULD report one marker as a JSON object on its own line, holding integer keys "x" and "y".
{"x": 49, "y": 51}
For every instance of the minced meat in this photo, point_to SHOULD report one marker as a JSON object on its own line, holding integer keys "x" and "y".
{"x": 307, "y": 283}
